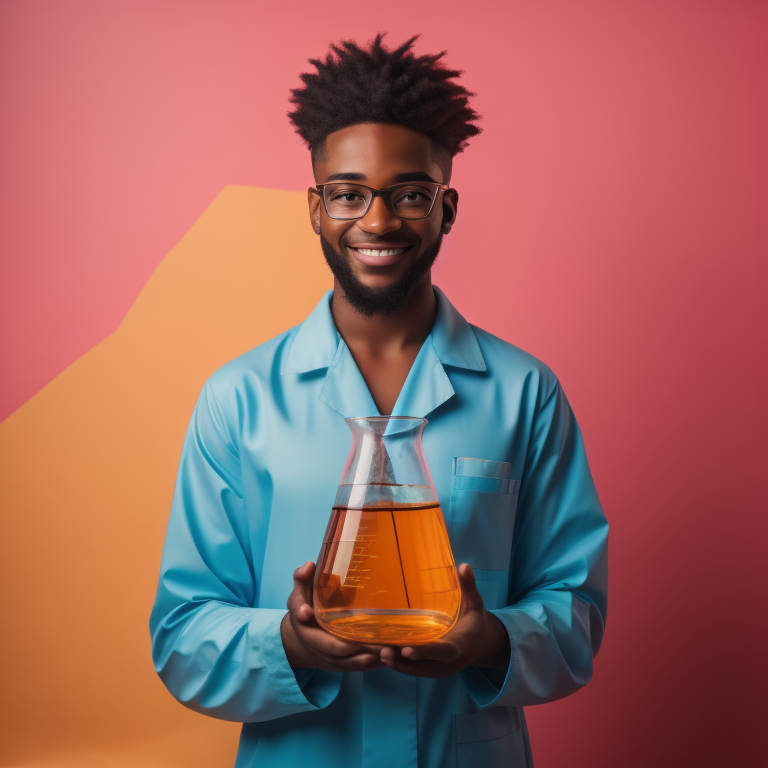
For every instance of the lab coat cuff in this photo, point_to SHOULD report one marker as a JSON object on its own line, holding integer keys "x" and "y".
{"x": 486, "y": 688}
{"x": 307, "y": 688}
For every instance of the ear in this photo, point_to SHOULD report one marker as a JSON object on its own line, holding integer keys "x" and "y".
{"x": 450, "y": 209}
{"x": 313, "y": 199}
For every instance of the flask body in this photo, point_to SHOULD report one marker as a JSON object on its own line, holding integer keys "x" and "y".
{"x": 385, "y": 573}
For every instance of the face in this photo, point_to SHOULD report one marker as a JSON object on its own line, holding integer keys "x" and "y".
{"x": 380, "y": 155}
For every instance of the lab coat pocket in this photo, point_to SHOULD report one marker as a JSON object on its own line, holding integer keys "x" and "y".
{"x": 483, "y": 505}
{"x": 490, "y": 738}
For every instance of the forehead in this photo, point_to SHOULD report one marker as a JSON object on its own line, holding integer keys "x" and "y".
{"x": 379, "y": 151}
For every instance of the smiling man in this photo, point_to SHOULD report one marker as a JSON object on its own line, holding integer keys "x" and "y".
{"x": 267, "y": 442}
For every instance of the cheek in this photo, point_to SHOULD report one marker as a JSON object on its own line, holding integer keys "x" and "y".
{"x": 332, "y": 231}
{"x": 428, "y": 233}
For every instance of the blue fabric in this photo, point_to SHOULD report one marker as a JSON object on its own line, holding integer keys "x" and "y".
{"x": 263, "y": 455}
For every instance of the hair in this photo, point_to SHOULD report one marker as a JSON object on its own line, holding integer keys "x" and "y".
{"x": 377, "y": 85}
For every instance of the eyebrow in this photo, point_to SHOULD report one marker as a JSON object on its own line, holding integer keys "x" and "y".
{"x": 412, "y": 176}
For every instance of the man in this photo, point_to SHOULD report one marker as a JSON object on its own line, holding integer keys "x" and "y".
{"x": 266, "y": 447}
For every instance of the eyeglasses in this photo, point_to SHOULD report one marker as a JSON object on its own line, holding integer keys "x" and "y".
{"x": 347, "y": 201}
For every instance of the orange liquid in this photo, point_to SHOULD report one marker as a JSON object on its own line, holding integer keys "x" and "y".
{"x": 386, "y": 575}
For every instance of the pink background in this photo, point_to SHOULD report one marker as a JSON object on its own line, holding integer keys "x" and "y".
{"x": 612, "y": 222}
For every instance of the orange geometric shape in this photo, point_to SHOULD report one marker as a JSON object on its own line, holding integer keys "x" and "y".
{"x": 88, "y": 468}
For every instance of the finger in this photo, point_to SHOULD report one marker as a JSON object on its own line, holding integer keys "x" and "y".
{"x": 373, "y": 648}
{"x": 443, "y": 652}
{"x": 321, "y": 641}
{"x": 312, "y": 634}
{"x": 305, "y": 613}
{"x": 432, "y": 651}
{"x": 359, "y": 658}
{"x": 302, "y": 586}
{"x": 355, "y": 663}
{"x": 470, "y": 597}
{"x": 423, "y": 668}
{"x": 306, "y": 572}
{"x": 300, "y": 609}
{"x": 303, "y": 578}
{"x": 360, "y": 663}
{"x": 301, "y": 612}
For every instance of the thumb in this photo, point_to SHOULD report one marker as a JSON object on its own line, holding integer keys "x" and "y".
{"x": 470, "y": 597}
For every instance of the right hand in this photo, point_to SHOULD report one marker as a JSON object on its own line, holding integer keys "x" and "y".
{"x": 307, "y": 645}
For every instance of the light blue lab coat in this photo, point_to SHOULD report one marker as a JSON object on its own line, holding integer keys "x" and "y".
{"x": 261, "y": 463}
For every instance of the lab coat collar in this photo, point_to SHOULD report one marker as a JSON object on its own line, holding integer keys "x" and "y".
{"x": 453, "y": 337}
{"x": 318, "y": 344}
{"x": 317, "y": 341}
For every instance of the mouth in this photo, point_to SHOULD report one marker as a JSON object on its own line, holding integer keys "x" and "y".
{"x": 378, "y": 256}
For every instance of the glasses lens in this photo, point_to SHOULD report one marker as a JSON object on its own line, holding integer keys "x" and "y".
{"x": 412, "y": 201}
{"x": 350, "y": 201}
{"x": 346, "y": 201}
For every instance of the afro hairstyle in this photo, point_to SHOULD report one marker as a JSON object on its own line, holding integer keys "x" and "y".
{"x": 377, "y": 85}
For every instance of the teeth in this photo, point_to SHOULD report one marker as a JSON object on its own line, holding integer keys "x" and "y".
{"x": 381, "y": 252}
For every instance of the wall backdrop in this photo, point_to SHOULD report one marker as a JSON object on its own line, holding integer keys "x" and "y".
{"x": 611, "y": 222}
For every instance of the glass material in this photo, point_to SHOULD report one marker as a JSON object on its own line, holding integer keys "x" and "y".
{"x": 348, "y": 200}
{"x": 385, "y": 573}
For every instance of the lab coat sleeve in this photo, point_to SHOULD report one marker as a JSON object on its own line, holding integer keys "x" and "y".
{"x": 559, "y": 570}
{"x": 215, "y": 652}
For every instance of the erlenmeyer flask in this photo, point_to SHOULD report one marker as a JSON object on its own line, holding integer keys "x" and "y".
{"x": 385, "y": 573}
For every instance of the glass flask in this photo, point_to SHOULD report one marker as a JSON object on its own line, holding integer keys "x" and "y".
{"x": 385, "y": 573}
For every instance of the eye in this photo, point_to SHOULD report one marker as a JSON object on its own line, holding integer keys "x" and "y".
{"x": 412, "y": 196}
{"x": 346, "y": 196}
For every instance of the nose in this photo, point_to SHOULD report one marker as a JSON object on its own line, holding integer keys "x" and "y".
{"x": 379, "y": 218}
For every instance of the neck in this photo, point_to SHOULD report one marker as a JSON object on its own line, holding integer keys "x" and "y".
{"x": 381, "y": 335}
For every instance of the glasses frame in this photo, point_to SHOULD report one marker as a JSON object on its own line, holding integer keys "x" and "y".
{"x": 379, "y": 193}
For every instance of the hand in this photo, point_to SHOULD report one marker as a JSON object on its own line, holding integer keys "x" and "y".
{"x": 307, "y": 645}
{"x": 478, "y": 638}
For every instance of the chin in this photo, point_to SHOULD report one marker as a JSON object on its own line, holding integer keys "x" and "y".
{"x": 376, "y": 282}
{"x": 384, "y": 292}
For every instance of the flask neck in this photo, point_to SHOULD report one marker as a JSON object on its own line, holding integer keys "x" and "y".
{"x": 388, "y": 452}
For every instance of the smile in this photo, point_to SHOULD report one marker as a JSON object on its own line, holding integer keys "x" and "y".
{"x": 380, "y": 258}
{"x": 381, "y": 251}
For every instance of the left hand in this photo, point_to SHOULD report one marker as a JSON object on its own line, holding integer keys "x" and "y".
{"x": 477, "y": 638}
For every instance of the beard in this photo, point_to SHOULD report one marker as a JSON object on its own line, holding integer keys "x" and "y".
{"x": 388, "y": 300}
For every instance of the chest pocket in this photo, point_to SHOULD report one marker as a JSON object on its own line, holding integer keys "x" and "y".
{"x": 483, "y": 506}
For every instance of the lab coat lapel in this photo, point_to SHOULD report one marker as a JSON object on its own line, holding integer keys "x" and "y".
{"x": 318, "y": 344}
{"x": 427, "y": 385}
{"x": 344, "y": 388}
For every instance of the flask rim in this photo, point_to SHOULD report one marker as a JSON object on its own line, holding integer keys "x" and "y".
{"x": 387, "y": 418}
